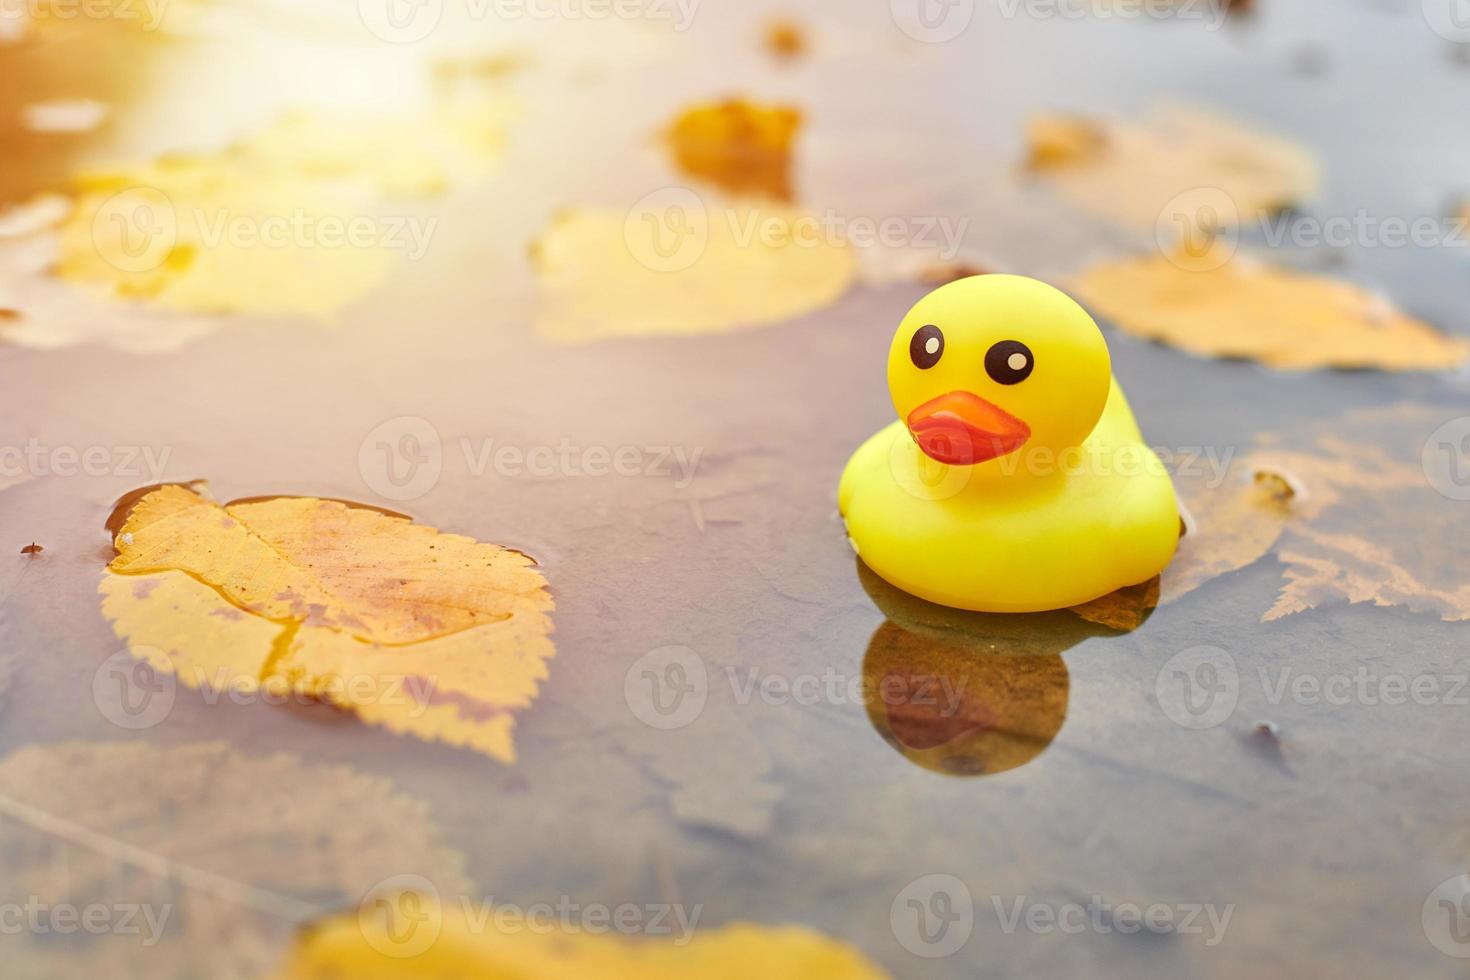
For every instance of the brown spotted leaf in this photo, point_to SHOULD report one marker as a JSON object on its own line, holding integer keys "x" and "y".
{"x": 435, "y": 635}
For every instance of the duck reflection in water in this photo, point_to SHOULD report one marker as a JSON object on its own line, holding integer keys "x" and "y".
{"x": 967, "y": 693}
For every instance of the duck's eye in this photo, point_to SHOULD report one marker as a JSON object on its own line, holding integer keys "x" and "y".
{"x": 1009, "y": 362}
{"x": 927, "y": 347}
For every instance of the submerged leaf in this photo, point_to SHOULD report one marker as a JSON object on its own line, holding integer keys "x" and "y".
{"x": 739, "y": 146}
{"x": 1229, "y": 523}
{"x": 221, "y": 850}
{"x": 1214, "y": 305}
{"x": 1373, "y": 528}
{"x": 685, "y": 268}
{"x": 1353, "y": 520}
{"x": 1134, "y": 173}
{"x": 365, "y": 946}
{"x": 1228, "y": 526}
{"x": 428, "y": 634}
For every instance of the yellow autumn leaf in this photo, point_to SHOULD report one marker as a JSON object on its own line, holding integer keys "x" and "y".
{"x": 683, "y": 266}
{"x": 289, "y": 220}
{"x": 195, "y": 236}
{"x": 1217, "y": 305}
{"x": 1134, "y": 173}
{"x": 364, "y": 947}
{"x": 738, "y": 145}
{"x": 42, "y": 312}
{"x": 428, "y": 634}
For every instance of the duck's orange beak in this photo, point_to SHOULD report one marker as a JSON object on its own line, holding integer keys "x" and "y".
{"x": 961, "y": 428}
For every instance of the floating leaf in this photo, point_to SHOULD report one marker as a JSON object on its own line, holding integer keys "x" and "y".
{"x": 740, "y": 146}
{"x": 183, "y": 234}
{"x": 221, "y": 850}
{"x": 287, "y": 221}
{"x": 429, "y": 634}
{"x": 1214, "y": 305}
{"x": 363, "y": 946}
{"x": 688, "y": 269}
{"x": 1132, "y": 173}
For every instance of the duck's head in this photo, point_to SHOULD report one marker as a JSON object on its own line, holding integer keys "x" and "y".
{"x": 985, "y": 365}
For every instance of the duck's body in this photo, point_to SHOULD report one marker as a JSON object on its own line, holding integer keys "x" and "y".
{"x": 1041, "y": 542}
{"x": 966, "y": 504}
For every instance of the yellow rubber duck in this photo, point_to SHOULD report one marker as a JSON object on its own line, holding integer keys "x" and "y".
{"x": 1017, "y": 479}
